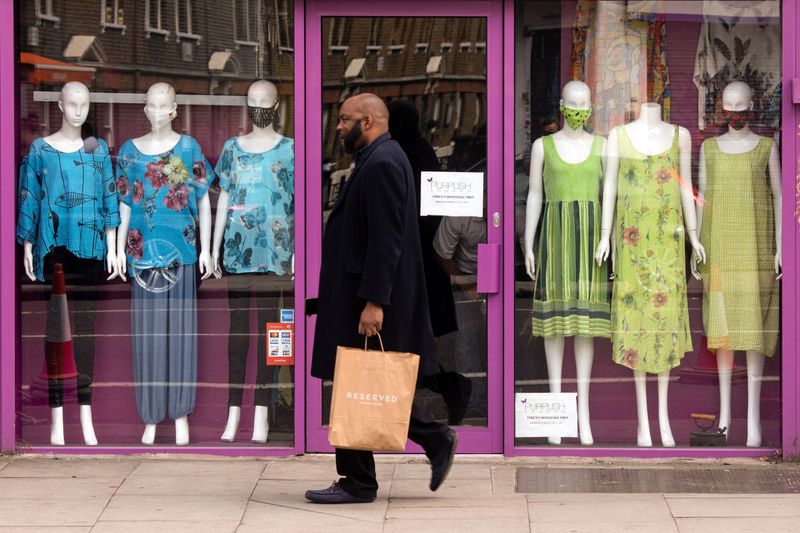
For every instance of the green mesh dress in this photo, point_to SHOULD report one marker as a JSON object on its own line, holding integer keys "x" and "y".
{"x": 571, "y": 292}
{"x": 741, "y": 295}
{"x": 649, "y": 313}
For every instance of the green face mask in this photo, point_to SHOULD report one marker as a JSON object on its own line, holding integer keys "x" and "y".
{"x": 575, "y": 117}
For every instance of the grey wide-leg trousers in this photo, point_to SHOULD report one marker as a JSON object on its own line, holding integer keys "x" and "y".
{"x": 164, "y": 327}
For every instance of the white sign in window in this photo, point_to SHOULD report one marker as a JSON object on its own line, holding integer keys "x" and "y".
{"x": 545, "y": 414}
{"x": 451, "y": 194}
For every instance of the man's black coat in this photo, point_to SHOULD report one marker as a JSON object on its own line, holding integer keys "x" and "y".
{"x": 371, "y": 251}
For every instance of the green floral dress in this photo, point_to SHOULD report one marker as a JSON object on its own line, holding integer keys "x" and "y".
{"x": 649, "y": 314}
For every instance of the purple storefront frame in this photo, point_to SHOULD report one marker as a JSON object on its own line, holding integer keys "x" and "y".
{"x": 501, "y": 394}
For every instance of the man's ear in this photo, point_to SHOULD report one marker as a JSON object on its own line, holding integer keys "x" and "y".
{"x": 368, "y": 122}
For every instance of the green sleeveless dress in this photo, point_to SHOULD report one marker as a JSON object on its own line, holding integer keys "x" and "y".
{"x": 649, "y": 313}
{"x": 741, "y": 297}
{"x": 571, "y": 294}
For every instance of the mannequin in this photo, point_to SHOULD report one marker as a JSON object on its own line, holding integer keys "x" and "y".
{"x": 257, "y": 226}
{"x": 649, "y": 144}
{"x": 749, "y": 287}
{"x": 75, "y": 232}
{"x": 573, "y": 155}
{"x": 165, "y": 175}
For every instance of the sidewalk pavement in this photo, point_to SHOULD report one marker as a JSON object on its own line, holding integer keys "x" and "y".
{"x": 198, "y": 493}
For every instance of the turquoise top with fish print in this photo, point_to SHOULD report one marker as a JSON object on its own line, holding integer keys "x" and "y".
{"x": 162, "y": 191}
{"x": 66, "y": 199}
{"x": 259, "y": 234}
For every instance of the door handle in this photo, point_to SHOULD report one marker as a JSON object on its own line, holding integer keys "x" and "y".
{"x": 489, "y": 268}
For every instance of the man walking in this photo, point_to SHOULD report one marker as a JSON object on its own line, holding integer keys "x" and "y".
{"x": 371, "y": 281}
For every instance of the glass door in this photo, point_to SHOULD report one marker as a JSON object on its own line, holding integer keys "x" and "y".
{"x": 438, "y": 70}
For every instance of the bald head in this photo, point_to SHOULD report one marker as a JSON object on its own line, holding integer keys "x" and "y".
{"x": 362, "y": 119}
{"x": 164, "y": 90}
{"x": 74, "y": 89}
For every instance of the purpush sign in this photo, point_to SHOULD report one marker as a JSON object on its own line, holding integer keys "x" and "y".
{"x": 451, "y": 194}
{"x": 545, "y": 414}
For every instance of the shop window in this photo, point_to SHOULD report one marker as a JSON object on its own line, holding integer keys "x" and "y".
{"x": 89, "y": 357}
{"x": 285, "y": 21}
{"x": 246, "y": 18}
{"x": 112, "y": 14}
{"x": 657, "y": 281}
{"x": 44, "y": 11}
{"x": 339, "y": 35}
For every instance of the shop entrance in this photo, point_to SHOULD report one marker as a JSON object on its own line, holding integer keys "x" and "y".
{"x": 439, "y": 69}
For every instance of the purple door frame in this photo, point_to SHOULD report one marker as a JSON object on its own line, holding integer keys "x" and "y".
{"x": 791, "y": 218}
{"x": 472, "y": 440}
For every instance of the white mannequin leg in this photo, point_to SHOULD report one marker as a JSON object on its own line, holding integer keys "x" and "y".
{"x": 667, "y": 440}
{"x": 234, "y": 416}
{"x": 260, "y": 424}
{"x": 724, "y": 370}
{"x": 554, "y": 353}
{"x": 182, "y": 431}
{"x": 87, "y": 426}
{"x": 584, "y": 355}
{"x": 57, "y": 426}
{"x": 643, "y": 433}
{"x": 755, "y": 373}
{"x": 149, "y": 435}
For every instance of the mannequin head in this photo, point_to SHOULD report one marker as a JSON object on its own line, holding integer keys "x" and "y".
{"x": 262, "y": 93}
{"x": 74, "y": 104}
{"x": 737, "y": 105}
{"x": 160, "y": 106}
{"x": 576, "y": 95}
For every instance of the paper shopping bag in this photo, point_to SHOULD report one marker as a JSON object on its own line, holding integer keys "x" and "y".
{"x": 372, "y": 395}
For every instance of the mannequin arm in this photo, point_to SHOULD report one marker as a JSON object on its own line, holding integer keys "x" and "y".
{"x": 219, "y": 231}
{"x": 122, "y": 239}
{"x": 533, "y": 206}
{"x": 775, "y": 182}
{"x": 611, "y": 168}
{"x": 204, "y": 213}
{"x": 27, "y": 260}
{"x": 702, "y": 179}
{"x": 687, "y": 195}
{"x": 112, "y": 267}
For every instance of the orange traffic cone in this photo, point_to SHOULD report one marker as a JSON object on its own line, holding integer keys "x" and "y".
{"x": 59, "y": 360}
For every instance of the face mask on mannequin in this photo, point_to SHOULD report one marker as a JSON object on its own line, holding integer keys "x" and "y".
{"x": 575, "y": 117}
{"x": 736, "y": 119}
{"x": 262, "y": 117}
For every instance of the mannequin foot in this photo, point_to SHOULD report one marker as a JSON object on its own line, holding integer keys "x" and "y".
{"x": 553, "y": 440}
{"x": 260, "y": 424}
{"x": 182, "y": 431}
{"x": 643, "y": 438}
{"x": 753, "y": 437}
{"x": 57, "y": 426}
{"x": 234, "y": 416}
{"x": 667, "y": 440}
{"x": 149, "y": 435}
{"x": 585, "y": 432}
{"x": 89, "y": 438}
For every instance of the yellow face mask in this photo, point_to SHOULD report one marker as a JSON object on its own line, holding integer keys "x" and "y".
{"x": 575, "y": 117}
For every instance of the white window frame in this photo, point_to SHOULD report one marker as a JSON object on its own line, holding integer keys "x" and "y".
{"x": 421, "y": 48}
{"x": 445, "y": 48}
{"x": 282, "y": 18}
{"x": 465, "y": 46}
{"x": 188, "y": 34}
{"x": 338, "y": 48}
{"x": 480, "y": 46}
{"x": 160, "y": 18}
{"x": 47, "y": 13}
{"x": 114, "y": 24}
{"x": 395, "y": 49}
{"x": 237, "y": 33}
{"x": 373, "y": 50}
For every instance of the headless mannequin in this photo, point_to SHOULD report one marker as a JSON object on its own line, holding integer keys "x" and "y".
{"x": 650, "y": 135}
{"x": 260, "y": 94}
{"x": 161, "y": 109}
{"x": 737, "y": 96}
{"x": 74, "y": 106}
{"x": 574, "y": 146}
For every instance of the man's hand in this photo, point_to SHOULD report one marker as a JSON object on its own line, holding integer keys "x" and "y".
{"x": 371, "y": 320}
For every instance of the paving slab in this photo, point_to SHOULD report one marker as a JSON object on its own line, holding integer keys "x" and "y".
{"x": 737, "y": 525}
{"x": 588, "y": 512}
{"x": 176, "y": 508}
{"x": 303, "y": 518}
{"x": 71, "y": 467}
{"x": 209, "y": 470}
{"x": 317, "y": 469}
{"x": 504, "y": 479}
{"x": 515, "y": 508}
{"x": 427, "y": 526}
{"x": 742, "y": 506}
{"x": 48, "y": 511}
{"x": 459, "y": 470}
{"x": 451, "y": 488}
{"x": 165, "y": 527}
{"x": 197, "y": 479}
{"x": 85, "y": 489}
{"x": 48, "y": 529}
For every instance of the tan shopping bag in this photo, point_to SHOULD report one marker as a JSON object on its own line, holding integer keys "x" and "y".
{"x": 372, "y": 395}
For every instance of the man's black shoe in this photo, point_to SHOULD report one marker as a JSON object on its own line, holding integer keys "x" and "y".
{"x": 443, "y": 460}
{"x": 335, "y": 494}
{"x": 456, "y": 392}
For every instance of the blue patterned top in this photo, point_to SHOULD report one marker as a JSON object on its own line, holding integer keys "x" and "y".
{"x": 259, "y": 234}
{"x": 162, "y": 191}
{"x": 66, "y": 199}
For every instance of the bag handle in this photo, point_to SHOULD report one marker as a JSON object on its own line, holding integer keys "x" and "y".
{"x": 366, "y": 339}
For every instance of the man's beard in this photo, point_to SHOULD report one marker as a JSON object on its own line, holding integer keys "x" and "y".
{"x": 351, "y": 138}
